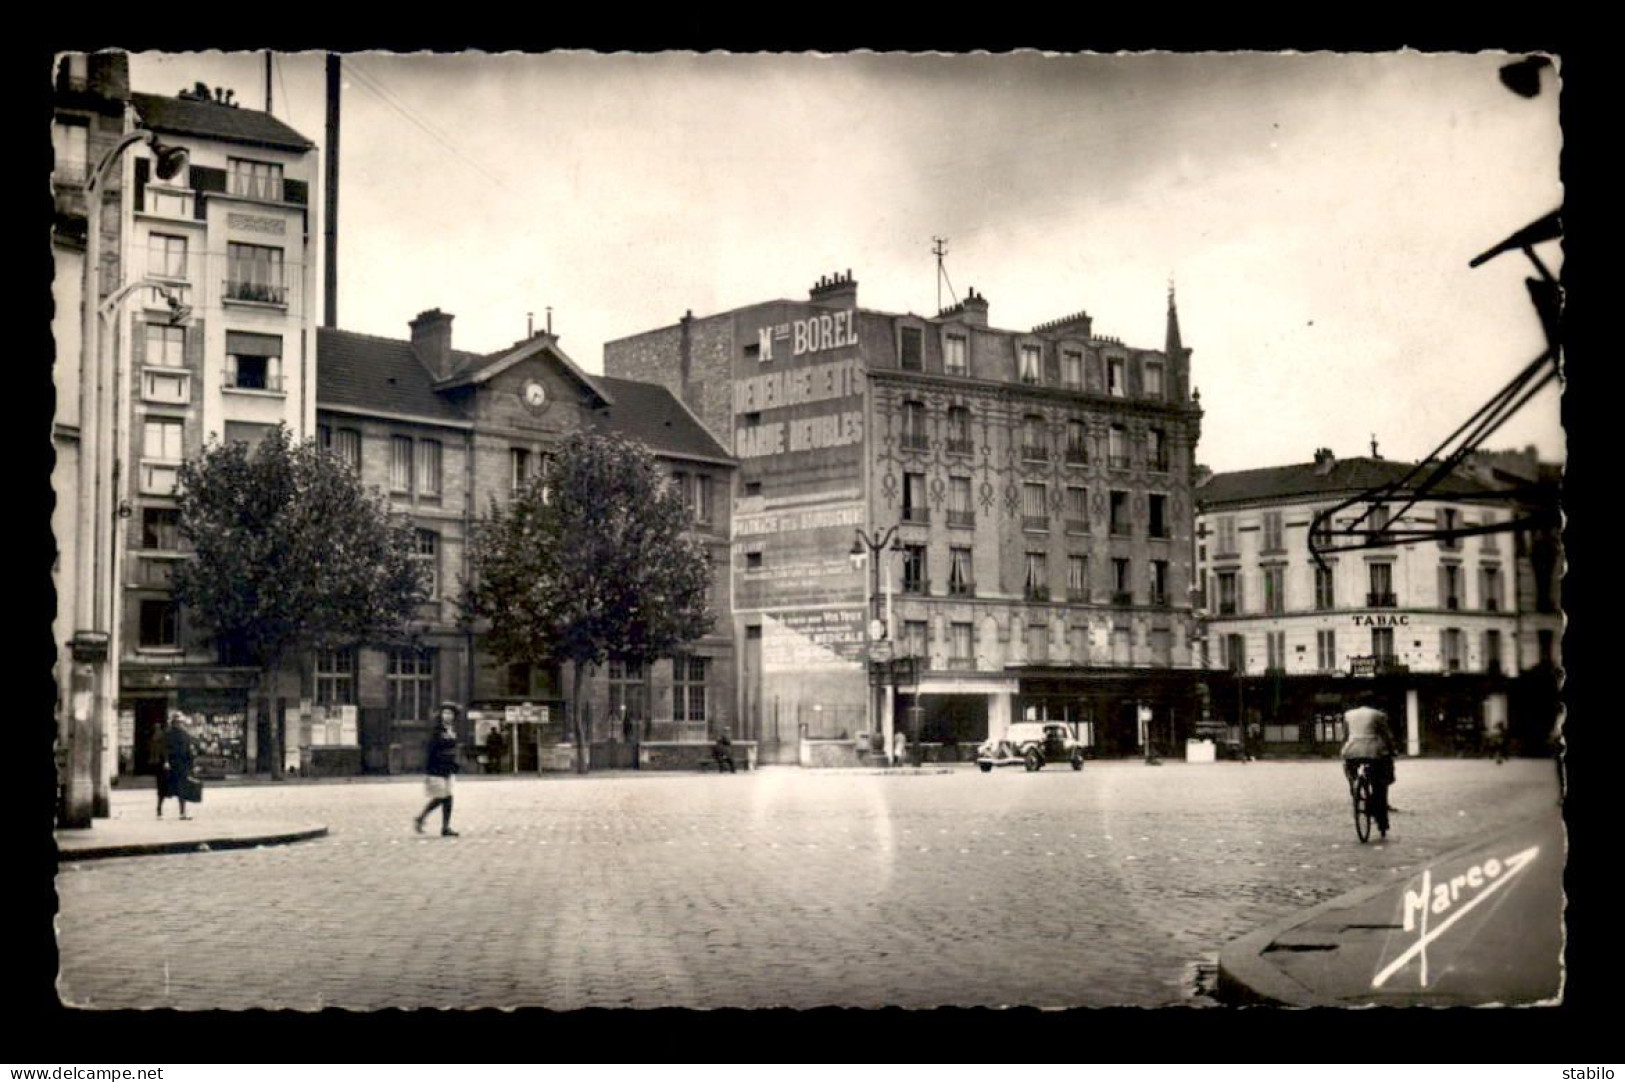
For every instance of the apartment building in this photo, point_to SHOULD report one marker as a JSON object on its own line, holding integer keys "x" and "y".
{"x": 1033, "y": 489}
{"x": 1430, "y": 626}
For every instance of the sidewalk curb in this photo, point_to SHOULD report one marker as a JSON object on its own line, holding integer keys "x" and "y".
{"x": 66, "y": 855}
{"x": 1247, "y": 979}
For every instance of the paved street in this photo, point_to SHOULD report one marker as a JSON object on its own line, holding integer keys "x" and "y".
{"x": 777, "y": 888}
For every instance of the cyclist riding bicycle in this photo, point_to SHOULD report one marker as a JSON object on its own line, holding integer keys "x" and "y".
{"x": 1371, "y": 741}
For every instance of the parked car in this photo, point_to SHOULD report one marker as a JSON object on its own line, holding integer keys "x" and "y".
{"x": 1031, "y": 744}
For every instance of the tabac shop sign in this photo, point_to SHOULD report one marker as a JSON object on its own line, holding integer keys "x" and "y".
{"x": 811, "y": 385}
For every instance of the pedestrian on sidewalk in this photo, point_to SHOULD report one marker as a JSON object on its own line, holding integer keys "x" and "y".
{"x": 441, "y": 766}
{"x": 175, "y": 775}
{"x": 494, "y": 747}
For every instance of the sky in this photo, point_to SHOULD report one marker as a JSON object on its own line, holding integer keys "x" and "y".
{"x": 1315, "y": 213}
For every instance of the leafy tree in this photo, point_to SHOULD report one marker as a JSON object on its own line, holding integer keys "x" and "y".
{"x": 290, "y": 552}
{"x": 593, "y": 560}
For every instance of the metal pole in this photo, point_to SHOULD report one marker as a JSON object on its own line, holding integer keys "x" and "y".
{"x": 330, "y": 227}
{"x": 89, "y": 693}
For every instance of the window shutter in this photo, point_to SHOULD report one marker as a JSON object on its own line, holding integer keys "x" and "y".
{"x": 138, "y": 341}
{"x": 255, "y": 345}
{"x": 1444, "y": 588}
{"x": 143, "y": 170}
{"x": 208, "y": 179}
{"x": 205, "y": 179}
{"x": 295, "y": 191}
{"x": 194, "y": 345}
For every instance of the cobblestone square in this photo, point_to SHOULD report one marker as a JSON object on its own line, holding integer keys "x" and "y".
{"x": 781, "y": 887}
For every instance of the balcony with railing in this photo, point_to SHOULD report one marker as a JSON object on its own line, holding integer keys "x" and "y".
{"x": 1077, "y": 456}
{"x": 917, "y": 586}
{"x": 1118, "y": 462}
{"x": 962, "y": 663}
{"x": 1077, "y": 525}
{"x": 1376, "y": 600}
{"x": 1036, "y": 523}
{"x": 255, "y": 291}
{"x": 1078, "y": 594}
{"x": 248, "y": 379}
{"x": 1159, "y": 464}
{"x": 962, "y": 519}
{"x": 1452, "y": 602}
{"x": 961, "y": 589}
{"x": 1122, "y": 597}
{"x": 915, "y": 441}
{"x": 1229, "y": 608}
{"x": 1033, "y": 452}
{"x": 917, "y": 515}
{"x": 1159, "y": 599}
{"x": 1036, "y": 593}
{"x": 958, "y": 447}
{"x": 1492, "y": 604}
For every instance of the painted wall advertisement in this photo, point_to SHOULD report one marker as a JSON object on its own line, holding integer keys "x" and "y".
{"x": 799, "y": 555}
{"x": 813, "y": 640}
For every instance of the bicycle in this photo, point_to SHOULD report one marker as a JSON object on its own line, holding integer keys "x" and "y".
{"x": 1360, "y": 790}
{"x": 1367, "y": 803}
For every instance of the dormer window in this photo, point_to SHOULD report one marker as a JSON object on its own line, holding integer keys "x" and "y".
{"x": 1072, "y": 369}
{"x": 911, "y": 349}
{"x": 1031, "y": 364}
{"x": 954, "y": 355}
{"x": 1116, "y": 377}
{"x": 1153, "y": 379}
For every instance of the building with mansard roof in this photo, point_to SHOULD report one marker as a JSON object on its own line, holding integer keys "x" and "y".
{"x": 1431, "y": 626}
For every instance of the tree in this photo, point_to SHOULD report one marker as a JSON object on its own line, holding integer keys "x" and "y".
{"x": 290, "y": 552}
{"x": 590, "y": 561}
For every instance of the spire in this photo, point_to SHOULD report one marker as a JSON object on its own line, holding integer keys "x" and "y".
{"x": 1173, "y": 347}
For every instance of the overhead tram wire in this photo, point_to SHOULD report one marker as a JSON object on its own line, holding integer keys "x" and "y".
{"x": 372, "y": 84}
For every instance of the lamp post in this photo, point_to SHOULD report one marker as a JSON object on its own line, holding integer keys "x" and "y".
{"x": 91, "y": 733}
{"x": 877, "y": 630}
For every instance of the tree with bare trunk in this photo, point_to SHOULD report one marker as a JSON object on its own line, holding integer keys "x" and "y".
{"x": 590, "y": 560}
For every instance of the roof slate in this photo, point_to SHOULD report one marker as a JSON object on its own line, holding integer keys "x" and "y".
{"x": 366, "y": 372}
{"x": 1347, "y": 476}
{"x": 214, "y": 121}
{"x": 650, "y": 414}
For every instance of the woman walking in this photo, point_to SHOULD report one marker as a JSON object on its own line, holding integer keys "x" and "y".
{"x": 441, "y": 765}
{"x": 175, "y": 770}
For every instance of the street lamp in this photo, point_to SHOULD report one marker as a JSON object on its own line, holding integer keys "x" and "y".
{"x": 91, "y": 721}
{"x": 877, "y": 630}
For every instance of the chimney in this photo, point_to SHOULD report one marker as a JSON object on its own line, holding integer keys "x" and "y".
{"x": 975, "y": 308}
{"x": 1324, "y": 461}
{"x": 835, "y": 290}
{"x": 109, "y": 75}
{"x": 431, "y": 341}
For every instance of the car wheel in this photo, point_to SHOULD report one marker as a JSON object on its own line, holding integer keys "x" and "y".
{"x": 987, "y": 768}
{"x": 1033, "y": 760}
{"x": 1077, "y": 762}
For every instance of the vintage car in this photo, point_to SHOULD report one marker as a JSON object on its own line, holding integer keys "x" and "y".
{"x": 1031, "y": 744}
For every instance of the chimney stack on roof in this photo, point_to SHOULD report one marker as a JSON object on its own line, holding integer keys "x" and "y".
{"x": 1324, "y": 461}
{"x": 835, "y": 288}
{"x": 431, "y": 341}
